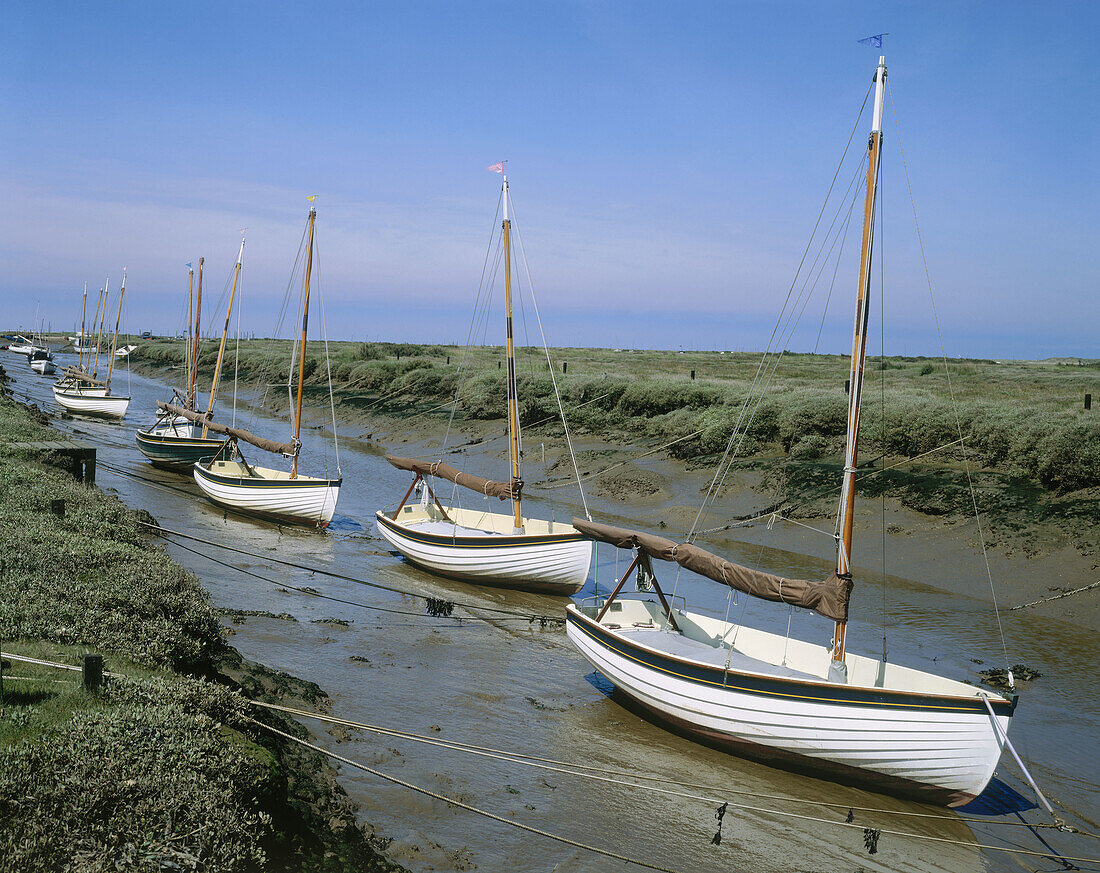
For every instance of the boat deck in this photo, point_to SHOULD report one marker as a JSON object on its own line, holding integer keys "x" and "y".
{"x": 450, "y": 529}
{"x": 679, "y": 646}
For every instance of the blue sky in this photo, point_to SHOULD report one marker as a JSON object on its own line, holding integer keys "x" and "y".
{"x": 667, "y": 162}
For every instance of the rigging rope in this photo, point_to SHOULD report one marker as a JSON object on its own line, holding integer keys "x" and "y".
{"x": 553, "y": 377}
{"x": 951, "y": 390}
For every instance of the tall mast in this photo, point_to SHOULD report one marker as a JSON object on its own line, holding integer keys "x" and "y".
{"x": 225, "y": 333}
{"x": 114, "y": 338}
{"x": 80, "y": 339}
{"x": 195, "y": 336}
{"x": 513, "y": 402}
{"x": 190, "y": 404}
{"x": 859, "y": 354}
{"x": 302, "y": 346}
{"x": 99, "y": 334}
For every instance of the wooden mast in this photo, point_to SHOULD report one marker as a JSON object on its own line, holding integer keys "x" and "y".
{"x": 99, "y": 333}
{"x": 513, "y": 401}
{"x": 190, "y": 335}
{"x": 195, "y": 338}
{"x": 114, "y": 337}
{"x": 80, "y": 339}
{"x": 225, "y": 333}
{"x": 859, "y": 355}
{"x": 302, "y": 345}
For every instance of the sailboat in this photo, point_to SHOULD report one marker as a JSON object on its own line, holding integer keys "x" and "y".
{"x": 477, "y": 545}
{"x": 84, "y": 393}
{"x": 807, "y": 707}
{"x": 173, "y": 441}
{"x": 227, "y": 479}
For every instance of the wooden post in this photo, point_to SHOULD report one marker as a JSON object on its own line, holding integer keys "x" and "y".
{"x": 692, "y": 375}
{"x": 57, "y": 507}
{"x": 93, "y": 672}
{"x": 1088, "y": 401}
{"x": 847, "y": 386}
{"x": 564, "y": 367}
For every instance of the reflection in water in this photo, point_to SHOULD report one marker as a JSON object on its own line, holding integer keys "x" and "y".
{"x": 490, "y": 680}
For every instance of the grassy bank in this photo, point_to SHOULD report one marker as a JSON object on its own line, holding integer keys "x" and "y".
{"x": 162, "y": 769}
{"x": 1023, "y": 419}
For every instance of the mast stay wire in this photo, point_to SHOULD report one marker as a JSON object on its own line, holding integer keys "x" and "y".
{"x": 767, "y": 351}
{"x": 758, "y": 391}
{"x": 328, "y": 361}
{"x": 951, "y": 391}
{"x": 550, "y": 366}
{"x": 463, "y": 371}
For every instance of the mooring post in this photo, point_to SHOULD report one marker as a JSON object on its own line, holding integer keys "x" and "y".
{"x": 847, "y": 386}
{"x": 89, "y": 468}
{"x": 692, "y": 375}
{"x": 564, "y": 367}
{"x": 1088, "y": 401}
{"x": 93, "y": 671}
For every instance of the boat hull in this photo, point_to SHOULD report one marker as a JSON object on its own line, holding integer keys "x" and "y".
{"x": 44, "y": 367}
{"x": 89, "y": 403}
{"x": 176, "y": 447}
{"x": 935, "y": 748}
{"x": 268, "y": 493}
{"x": 546, "y": 563}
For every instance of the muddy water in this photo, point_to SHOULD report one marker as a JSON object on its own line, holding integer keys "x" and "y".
{"x": 516, "y": 686}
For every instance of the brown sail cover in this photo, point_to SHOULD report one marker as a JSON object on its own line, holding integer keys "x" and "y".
{"x": 503, "y": 490}
{"x": 235, "y": 432}
{"x": 828, "y": 598}
{"x": 81, "y": 376}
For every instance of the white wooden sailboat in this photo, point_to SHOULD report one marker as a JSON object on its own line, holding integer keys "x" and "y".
{"x": 803, "y": 706}
{"x": 477, "y": 545}
{"x": 174, "y": 442}
{"x": 84, "y": 393}
{"x": 229, "y": 480}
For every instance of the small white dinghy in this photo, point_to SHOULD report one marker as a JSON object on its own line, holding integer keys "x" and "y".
{"x": 227, "y": 479}
{"x": 508, "y": 551}
{"x": 81, "y": 392}
{"x": 480, "y": 546}
{"x": 764, "y": 695}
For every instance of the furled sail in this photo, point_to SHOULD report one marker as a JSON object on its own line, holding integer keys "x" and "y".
{"x": 81, "y": 376}
{"x": 828, "y": 598}
{"x": 235, "y": 432}
{"x": 488, "y": 487}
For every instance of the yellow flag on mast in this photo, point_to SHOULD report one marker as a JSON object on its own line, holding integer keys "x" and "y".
{"x": 312, "y": 198}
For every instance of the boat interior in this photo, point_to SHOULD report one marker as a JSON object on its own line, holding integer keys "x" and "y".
{"x": 715, "y": 642}
{"x": 458, "y": 521}
{"x": 236, "y": 469}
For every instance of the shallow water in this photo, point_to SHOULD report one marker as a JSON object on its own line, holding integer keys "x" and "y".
{"x": 511, "y": 685}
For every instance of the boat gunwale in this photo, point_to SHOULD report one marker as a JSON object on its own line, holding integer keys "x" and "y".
{"x": 261, "y": 482}
{"x": 501, "y": 540}
{"x": 967, "y": 704}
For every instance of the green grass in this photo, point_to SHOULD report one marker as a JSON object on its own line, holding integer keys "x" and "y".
{"x": 1021, "y": 418}
{"x": 161, "y": 770}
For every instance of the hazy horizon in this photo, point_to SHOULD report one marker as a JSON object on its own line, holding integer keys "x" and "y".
{"x": 667, "y": 166}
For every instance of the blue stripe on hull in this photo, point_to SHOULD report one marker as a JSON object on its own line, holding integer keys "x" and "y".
{"x": 775, "y": 686}
{"x": 482, "y": 542}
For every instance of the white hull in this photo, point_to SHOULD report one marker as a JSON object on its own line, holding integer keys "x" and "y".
{"x": 480, "y": 547}
{"x": 44, "y": 367}
{"x": 889, "y": 727}
{"x": 269, "y": 493}
{"x": 85, "y": 402}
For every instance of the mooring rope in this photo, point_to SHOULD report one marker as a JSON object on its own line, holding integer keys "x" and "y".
{"x": 569, "y": 768}
{"x": 607, "y": 853}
